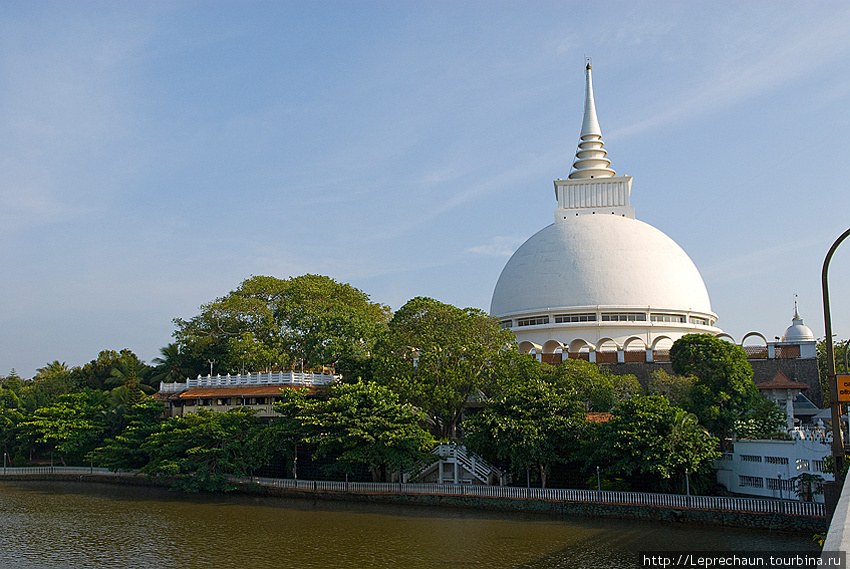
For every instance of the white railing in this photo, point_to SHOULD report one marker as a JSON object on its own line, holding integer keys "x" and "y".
{"x": 271, "y": 378}
{"x": 473, "y": 464}
{"x": 717, "y": 503}
{"x": 29, "y": 470}
{"x": 811, "y": 433}
{"x": 724, "y": 504}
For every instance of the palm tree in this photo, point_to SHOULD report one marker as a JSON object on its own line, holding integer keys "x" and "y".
{"x": 169, "y": 368}
{"x": 130, "y": 374}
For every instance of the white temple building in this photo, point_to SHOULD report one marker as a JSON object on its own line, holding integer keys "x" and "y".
{"x": 597, "y": 283}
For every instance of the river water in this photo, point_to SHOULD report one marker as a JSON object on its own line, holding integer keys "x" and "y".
{"x": 70, "y": 525}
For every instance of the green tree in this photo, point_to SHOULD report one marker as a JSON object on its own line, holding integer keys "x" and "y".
{"x": 438, "y": 357}
{"x": 309, "y": 321}
{"x": 72, "y": 426}
{"x": 840, "y": 353}
{"x": 646, "y": 436}
{"x": 99, "y": 373}
{"x": 12, "y": 382}
{"x": 724, "y": 389}
{"x": 676, "y": 388}
{"x": 201, "y": 449}
{"x": 596, "y": 390}
{"x": 11, "y": 415}
{"x": 531, "y": 425}
{"x": 49, "y": 384}
{"x": 131, "y": 376}
{"x": 124, "y": 451}
{"x": 360, "y": 424}
{"x": 763, "y": 421}
{"x": 171, "y": 366}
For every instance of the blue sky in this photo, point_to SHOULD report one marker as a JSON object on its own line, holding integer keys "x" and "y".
{"x": 155, "y": 154}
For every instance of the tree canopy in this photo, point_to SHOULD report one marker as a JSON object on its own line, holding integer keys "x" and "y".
{"x": 359, "y": 424}
{"x": 71, "y": 426}
{"x": 267, "y": 323}
{"x": 724, "y": 389}
{"x": 438, "y": 356}
{"x": 202, "y": 448}
{"x": 647, "y": 436}
{"x": 531, "y": 425}
{"x": 596, "y": 390}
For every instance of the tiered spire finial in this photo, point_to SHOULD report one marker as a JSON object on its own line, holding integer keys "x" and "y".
{"x": 591, "y": 157}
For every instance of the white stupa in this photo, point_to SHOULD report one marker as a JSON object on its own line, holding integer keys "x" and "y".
{"x": 797, "y": 331}
{"x": 598, "y": 280}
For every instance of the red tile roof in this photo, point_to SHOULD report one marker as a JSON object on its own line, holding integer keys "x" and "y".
{"x": 781, "y": 381}
{"x": 246, "y": 391}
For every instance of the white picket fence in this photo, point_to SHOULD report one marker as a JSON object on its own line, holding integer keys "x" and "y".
{"x": 27, "y": 470}
{"x": 723, "y": 504}
{"x": 716, "y": 503}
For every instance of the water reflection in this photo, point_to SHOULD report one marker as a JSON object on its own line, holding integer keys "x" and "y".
{"x": 49, "y": 524}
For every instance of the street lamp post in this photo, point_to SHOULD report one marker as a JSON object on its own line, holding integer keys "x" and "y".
{"x": 835, "y": 405}
{"x": 846, "y": 345}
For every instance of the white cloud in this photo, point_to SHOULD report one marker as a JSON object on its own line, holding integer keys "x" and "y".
{"x": 499, "y": 246}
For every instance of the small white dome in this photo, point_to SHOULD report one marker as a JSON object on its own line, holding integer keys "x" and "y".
{"x": 599, "y": 260}
{"x": 797, "y": 331}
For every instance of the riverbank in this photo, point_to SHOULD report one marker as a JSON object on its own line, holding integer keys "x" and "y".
{"x": 730, "y": 512}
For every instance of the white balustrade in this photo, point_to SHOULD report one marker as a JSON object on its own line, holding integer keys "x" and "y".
{"x": 717, "y": 503}
{"x": 272, "y": 378}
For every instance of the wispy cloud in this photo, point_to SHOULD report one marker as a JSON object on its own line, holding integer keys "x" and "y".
{"x": 762, "y": 68}
{"x": 499, "y": 246}
{"x": 496, "y": 183}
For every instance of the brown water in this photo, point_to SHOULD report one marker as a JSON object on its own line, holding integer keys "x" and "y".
{"x": 70, "y": 525}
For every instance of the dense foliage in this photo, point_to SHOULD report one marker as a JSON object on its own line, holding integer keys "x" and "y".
{"x": 724, "y": 389}
{"x": 531, "y": 425}
{"x": 648, "y": 436}
{"x": 431, "y": 372}
{"x": 359, "y": 424}
{"x": 306, "y": 322}
{"x": 438, "y": 357}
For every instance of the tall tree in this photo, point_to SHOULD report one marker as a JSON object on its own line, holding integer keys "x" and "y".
{"x": 124, "y": 451}
{"x": 438, "y": 357}
{"x": 724, "y": 389}
{"x": 49, "y": 384}
{"x": 360, "y": 424}
{"x": 309, "y": 321}
{"x": 99, "y": 373}
{"x": 597, "y": 390}
{"x": 171, "y": 366}
{"x": 72, "y": 426}
{"x": 131, "y": 376}
{"x": 646, "y": 436}
{"x": 676, "y": 388}
{"x": 11, "y": 415}
{"x": 201, "y": 449}
{"x": 531, "y": 425}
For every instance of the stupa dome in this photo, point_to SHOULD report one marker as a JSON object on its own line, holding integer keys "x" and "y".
{"x": 797, "y": 331}
{"x": 608, "y": 261}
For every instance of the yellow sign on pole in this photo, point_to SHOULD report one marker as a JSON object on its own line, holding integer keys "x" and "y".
{"x": 843, "y": 381}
